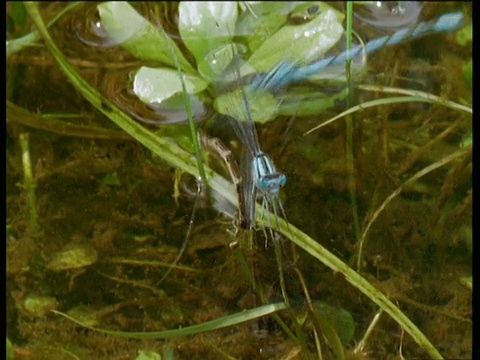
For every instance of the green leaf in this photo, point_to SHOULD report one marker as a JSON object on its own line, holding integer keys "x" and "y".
{"x": 30, "y": 39}
{"x": 339, "y": 319}
{"x": 257, "y": 27}
{"x": 215, "y": 62}
{"x": 10, "y": 350}
{"x": 206, "y": 26}
{"x": 148, "y": 355}
{"x": 468, "y": 73}
{"x": 465, "y": 35}
{"x": 211, "y": 325}
{"x": 264, "y": 106}
{"x": 139, "y": 36}
{"x": 18, "y": 14}
{"x": 301, "y": 43}
{"x": 157, "y": 85}
{"x": 309, "y": 102}
{"x": 111, "y": 179}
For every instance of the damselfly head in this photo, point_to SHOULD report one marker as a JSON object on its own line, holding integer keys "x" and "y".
{"x": 266, "y": 177}
{"x": 271, "y": 184}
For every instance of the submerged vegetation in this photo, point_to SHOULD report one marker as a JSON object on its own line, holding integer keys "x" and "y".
{"x": 374, "y": 260}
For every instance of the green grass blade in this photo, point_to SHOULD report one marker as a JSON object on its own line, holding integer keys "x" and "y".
{"x": 334, "y": 263}
{"x": 20, "y": 115}
{"x": 417, "y": 93}
{"x": 367, "y": 104}
{"x": 211, "y": 325}
{"x": 191, "y": 122}
{"x": 350, "y": 129}
{"x": 16, "y": 45}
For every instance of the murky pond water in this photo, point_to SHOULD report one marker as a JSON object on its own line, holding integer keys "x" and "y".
{"x": 101, "y": 219}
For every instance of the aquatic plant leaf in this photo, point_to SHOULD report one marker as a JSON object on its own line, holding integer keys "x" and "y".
{"x": 75, "y": 256}
{"x": 257, "y": 27}
{"x": 111, "y": 179}
{"x": 264, "y": 106}
{"x": 30, "y": 39}
{"x": 18, "y": 15}
{"x": 153, "y": 85}
{"x": 207, "y": 26}
{"x": 468, "y": 73}
{"x": 39, "y": 306}
{"x": 336, "y": 326}
{"x": 10, "y": 350}
{"x": 464, "y": 35}
{"x": 301, "y": 43}
{"x": 340, "y": 319}
{"x": 18, "y": 114}
{"x": 148, "y": 355}
{"x": 139, "y": 37}
{"x": 309, "y": 102}
{"x": 216, "y": 61}
{"x": 211, "y": 325}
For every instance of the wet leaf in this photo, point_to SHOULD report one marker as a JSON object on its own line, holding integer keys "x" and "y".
{"x": 74, "y": 257}
{"x": 215, "y": 62}
{"x": 157, "y": 85}
{"x": 309, "y": 102}
{"x": 257, "y": 27}
{"x": 207, "y": 26}
{"x": 139, "y": 36}
{"x": 264, "y": 106}
{"x": 85, "y": 314}
{"x": 148, "y": 355}
{"x": 39, "y": 306}
{"x": 301, "y": 43}
{"x": 339, "y": 319}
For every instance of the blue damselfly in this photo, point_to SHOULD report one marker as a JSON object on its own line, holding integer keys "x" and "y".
{"x": 259, "y": 175}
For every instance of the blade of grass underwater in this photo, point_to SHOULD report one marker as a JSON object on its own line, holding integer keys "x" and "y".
{"x": 334, "y": 263}
{"x": 417, "y": 93}
{"x": 191, "y": 122}
{"x": 350, "y": 129}
{"x": 398, "y": 190}
{"x": 211, "y": 325}
{"x": 18, "y": 114}
{"x": 16, "y": 45}
{"x": 367, "y": 104}
{"x": 177, "y": 157}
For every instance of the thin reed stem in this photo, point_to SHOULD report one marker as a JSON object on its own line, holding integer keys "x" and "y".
{"x": 352, "y": 185}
